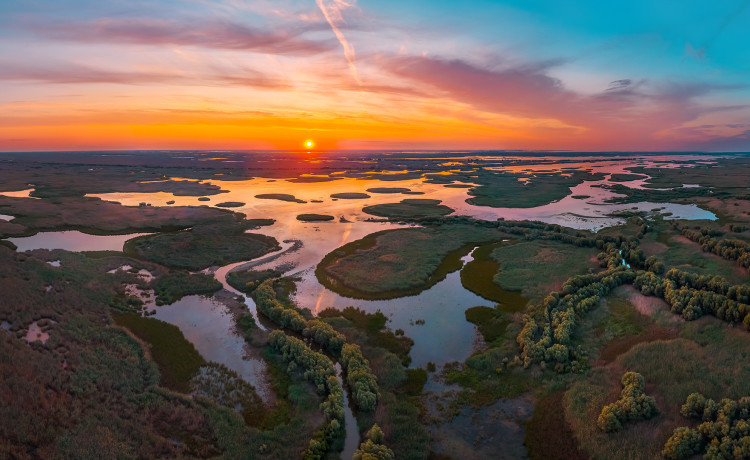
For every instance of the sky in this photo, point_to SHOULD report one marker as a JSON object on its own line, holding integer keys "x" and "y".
{"x": 641, "y": 75}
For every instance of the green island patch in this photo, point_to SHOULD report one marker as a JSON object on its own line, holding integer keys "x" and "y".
{"x": 620, "y": 177}
{"x": 389, "y": 190}
{"x": 478, "y": 276}
{"x": 410, "y": 207}
{"x": 202, "y": 247}
{"x": 315, "y": 217}
{"x": 535, "y": 268}
{"x": 395, "y": 263}
{"x": 350, "y": 196}
{"x": 230, "y": 204}
{"x": 279, "y": 196}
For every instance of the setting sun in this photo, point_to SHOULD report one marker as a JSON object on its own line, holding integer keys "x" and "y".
{"x": 309, "y": 144}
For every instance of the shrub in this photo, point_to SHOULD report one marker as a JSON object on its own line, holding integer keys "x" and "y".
{"x": 632, "y": 406}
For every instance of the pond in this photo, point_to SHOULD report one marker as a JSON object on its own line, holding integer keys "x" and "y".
{"x": 72, "y": 240}
{"x": 209, "y": 326}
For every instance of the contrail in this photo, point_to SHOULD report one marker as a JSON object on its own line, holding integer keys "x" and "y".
{"x": 332, "y": 12}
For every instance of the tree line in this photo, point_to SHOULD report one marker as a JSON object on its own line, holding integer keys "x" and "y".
{"x": 319, "y": 370}
{"x": 362, "y": 382}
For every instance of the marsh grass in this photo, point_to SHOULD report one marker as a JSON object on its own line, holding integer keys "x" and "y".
{"x": 478, "y": 276}
{"x": 173, "y": 286}
{"x": 177, "y": 358}
{"x": 397, "y": 263}
{"x": 536, "y": 268}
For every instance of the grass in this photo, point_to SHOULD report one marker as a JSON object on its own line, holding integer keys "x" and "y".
{"x": 478, "y": 276}
{"x": 491, "y": 322}
{"x": 687, "y": 256}
{"x": 350, "y": 196}
{"x": 503, "y": 190}
{"x": 373, "y": 324}
{"x": 315, "y": 217}
{"x": 247, "y": 280}
{"x": 177, "y": 358}
{"x": 395, "y": 263}
{"x": 408, "y": 208}
{"x": 230, "y": 204}
{"x": 201, "y": 247}
{"x": 548, "y": 436}
{"x": 709, "y": 357}
{"x": 280, "y": 196}
{"x": 536, "y": 268}
{"x": 173, "y": 286}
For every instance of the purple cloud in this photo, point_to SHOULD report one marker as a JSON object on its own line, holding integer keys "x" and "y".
{"x": 209, "y": 34}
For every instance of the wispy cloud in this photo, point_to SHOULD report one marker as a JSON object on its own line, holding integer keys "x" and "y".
{"x": 69, "y": 73}
{"x": 207, "y": 34}
{"x": 332, "y": 10}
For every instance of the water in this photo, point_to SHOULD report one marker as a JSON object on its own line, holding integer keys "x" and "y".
{"x": 446, "y": 335}
{"x": 209, "y": 326}
{"x": 351, "y": 441}
{"x": 72, "y": 240}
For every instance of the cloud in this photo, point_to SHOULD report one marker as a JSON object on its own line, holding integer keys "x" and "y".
{"x": 332, "y": 10}
{"x": 627, "y": 112}
{"x": 67, "y": 73}
{"x": 208, "y": 34}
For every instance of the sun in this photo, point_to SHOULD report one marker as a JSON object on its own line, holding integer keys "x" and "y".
{"x": 309, "y": 144}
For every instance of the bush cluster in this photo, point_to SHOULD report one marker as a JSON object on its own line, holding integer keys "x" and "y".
{"x": 632, "y": 406}
{"x": 319, "y": 370}
{"x": 723, "y": 434}
{"x": 693, "y": 296}
{"x": 362, "y": 382}
{"x": 730, "y": 248}
{"x": 373, "y": 447}
{"x": 546, "y": 337}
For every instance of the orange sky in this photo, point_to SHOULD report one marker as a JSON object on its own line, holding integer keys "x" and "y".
{"x": 269, "y": 75}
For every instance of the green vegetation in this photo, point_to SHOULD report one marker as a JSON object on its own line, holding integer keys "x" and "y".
{"x": 724, "y": 433}
{"x": 373, "y": 448}
{"x": 319, "y": 370}
{"x": 538, "y": 267}
{"x": 230, "y": 204}
{"x": 177, "y": 358}
{"x": 394, "y": 263}
{"x": 227, "y": 388}
{"x": 389, "y": 190}
{"x": 479, "y": 276}
{"x": 315, "y": 217}
{"x": 633, "y": 405}
{"x": 408, "y": 208}
{"x": 361, "y": 381}
{"x": 173, "y": 286}
{"x": 504, "y": 190}
{"x": 350, "y": 196}
{"x": 491, "y": 322}
{"x": 279, "y": 196}
{"x": 201, "y": 247}
{"x": 373, "y": 324}
{"x": 246, "y": 281}
{"x": 619, "y": 177}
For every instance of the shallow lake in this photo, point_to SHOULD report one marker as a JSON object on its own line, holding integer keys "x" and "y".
{"x": 72, "y": 240}
{"x": 209, "y": 326}
{"x": 446, "y": 335}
